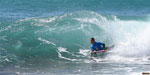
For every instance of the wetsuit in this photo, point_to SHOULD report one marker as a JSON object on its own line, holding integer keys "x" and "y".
{"x": 97, "y": 46}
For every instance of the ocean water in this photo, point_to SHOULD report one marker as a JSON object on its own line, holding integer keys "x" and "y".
{"x": 52, "y": 37}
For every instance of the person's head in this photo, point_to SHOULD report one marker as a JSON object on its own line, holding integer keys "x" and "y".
{"x": 92, "y": 40}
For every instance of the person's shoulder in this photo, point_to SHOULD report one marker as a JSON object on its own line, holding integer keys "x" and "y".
{"x": 99, "y": 43}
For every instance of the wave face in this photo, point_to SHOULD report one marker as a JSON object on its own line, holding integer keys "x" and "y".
{"x": 66, "y": 37}
{"x": 46, "y": 38}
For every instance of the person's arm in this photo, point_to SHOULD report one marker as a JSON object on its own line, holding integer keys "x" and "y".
{"x": 92, "y": 50}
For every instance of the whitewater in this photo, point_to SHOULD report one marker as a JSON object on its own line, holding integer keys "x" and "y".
{"x": 38, "y": 39}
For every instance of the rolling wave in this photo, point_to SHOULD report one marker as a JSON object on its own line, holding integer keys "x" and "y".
{"x": 66, "y": 37}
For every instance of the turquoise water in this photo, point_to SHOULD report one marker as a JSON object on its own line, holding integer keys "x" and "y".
{"x": 51, "y": 37}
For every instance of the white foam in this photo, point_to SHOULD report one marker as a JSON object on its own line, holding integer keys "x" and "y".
{"x": 61, "y": 49}
{"x": 46, "y": 41}
{"x": 84, "y": 52}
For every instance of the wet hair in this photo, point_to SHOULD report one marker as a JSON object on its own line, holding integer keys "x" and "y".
{"x": 93, "y": 39}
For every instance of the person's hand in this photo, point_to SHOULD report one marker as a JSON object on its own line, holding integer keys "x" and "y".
{"x": 92, "y": 52}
